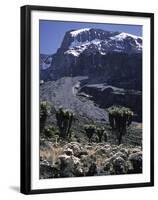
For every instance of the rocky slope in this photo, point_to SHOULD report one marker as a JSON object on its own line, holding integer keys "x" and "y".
{"x": 111, "y": 61}
{"x": 63, "y": 92}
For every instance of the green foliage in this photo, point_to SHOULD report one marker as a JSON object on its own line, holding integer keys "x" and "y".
{"x": 64, "y": 122}
{"x": 45, "y": 110}
{"x": 50, "y": 132}
{"x": 90, "y": 130}
{"x": 120, "y": 110}
{"x": 47, "y": 132}
{"x": 119, "y": 118}
{"x": 100, "y": 132}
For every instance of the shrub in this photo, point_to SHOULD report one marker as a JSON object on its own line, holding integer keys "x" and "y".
{"x": 90, "y": 130}
{"x": 100, "y": 133}
{"x": 45, "y": 109}
{"x": 119, "y": 118}
{"x": 105, "y": 137}
{"x": 50, "y": 132}
{"x": 64, "y": 122}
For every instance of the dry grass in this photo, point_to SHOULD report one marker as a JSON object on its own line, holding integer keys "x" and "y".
{"x": 51, "y": 154}
{"x": 138, "y": 126}
{"x": 100, "y": 159}
{"x": 91, "y": 152}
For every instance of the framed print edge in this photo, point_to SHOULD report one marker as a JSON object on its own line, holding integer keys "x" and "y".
{"x": 152, "y": 97}
{"x": 25, "y": 153}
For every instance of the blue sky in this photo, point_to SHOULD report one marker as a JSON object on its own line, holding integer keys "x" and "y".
{"x": 52, "y": 32}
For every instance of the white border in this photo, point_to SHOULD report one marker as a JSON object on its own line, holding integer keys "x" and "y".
{"x": 36, "y": 183}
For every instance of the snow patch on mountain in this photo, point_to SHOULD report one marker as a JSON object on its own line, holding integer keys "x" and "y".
{"x": 76, "y": 47}
{"x": 123, "y": 36}
{"x": 76, "y": 32}
{"x": 77, "y": 44}
{"x": 73, "y": 52}
{"x": 137, "y": 40}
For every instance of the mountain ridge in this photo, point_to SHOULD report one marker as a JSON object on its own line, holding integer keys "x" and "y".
{"x": 85, "y": 54}
{"x": 77, "y": 41}
{"x": 85, "y": 51}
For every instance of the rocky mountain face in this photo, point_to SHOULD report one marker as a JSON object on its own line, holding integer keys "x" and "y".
{"x": 45, "y": 61}
{"x": 111, "y": 61}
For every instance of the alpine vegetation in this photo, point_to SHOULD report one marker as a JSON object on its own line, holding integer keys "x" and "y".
{"x": 91, "y": 103}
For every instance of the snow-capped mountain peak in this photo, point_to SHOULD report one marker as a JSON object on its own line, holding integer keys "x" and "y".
{"x": 97, "y": 40}
{"x": 124, "y": 35}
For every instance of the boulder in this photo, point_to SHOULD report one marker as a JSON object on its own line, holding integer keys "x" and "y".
{"x": 136, "y": 161}
{"x": 69, "y": 166}
{"x": 119, "y": 154}
{"x": 119, "y": 165}
{"x": 76, "y": 148}
{"x": 124, "y": 151}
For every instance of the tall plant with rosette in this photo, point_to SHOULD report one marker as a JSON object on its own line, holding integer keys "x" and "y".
{"x": 120, "y": 118}
{"x": 45, "y": 110}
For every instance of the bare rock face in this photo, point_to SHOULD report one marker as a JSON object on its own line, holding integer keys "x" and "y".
{"x": 115, "y": 95}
